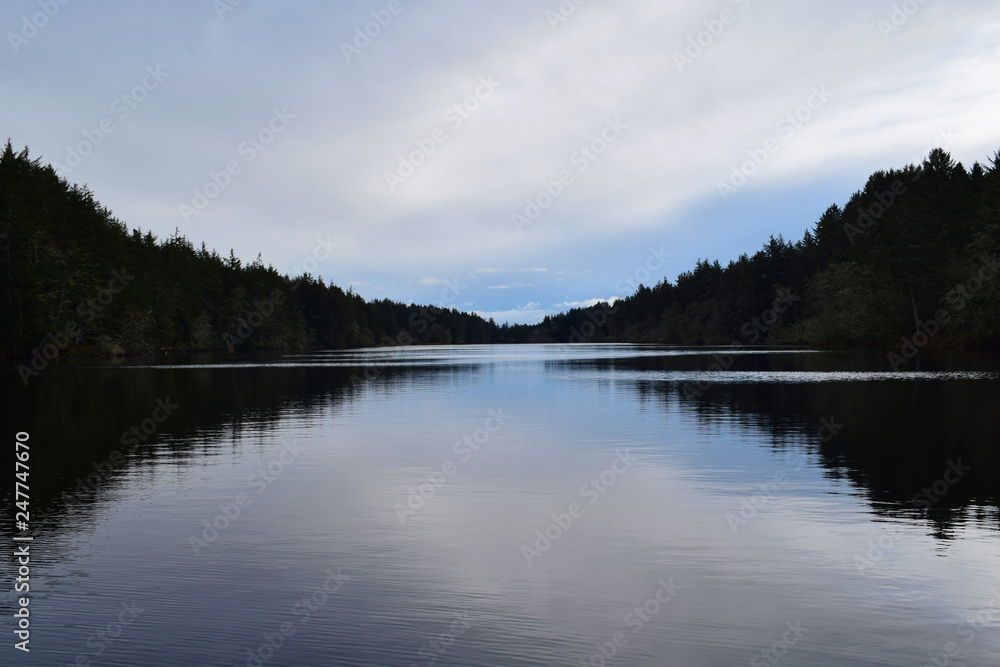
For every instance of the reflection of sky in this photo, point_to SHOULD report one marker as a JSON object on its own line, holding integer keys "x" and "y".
{"x": 664, "y": 517}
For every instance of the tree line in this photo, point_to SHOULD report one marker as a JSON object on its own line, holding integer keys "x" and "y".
{"x": 914, "y": 251}
{"x": 77, "y": 281}
{"x": 911, "y": 258}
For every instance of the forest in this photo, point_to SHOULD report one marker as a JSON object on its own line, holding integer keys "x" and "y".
{"x": 914, "y": 251}
{"x": 77, "y": 281}
{"x": 912, "y": 255}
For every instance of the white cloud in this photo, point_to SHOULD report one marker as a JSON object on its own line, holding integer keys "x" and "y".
{"x": 477, "y": 272}
{"x": 325, "y": 173}
{"x": 566, "y": 305}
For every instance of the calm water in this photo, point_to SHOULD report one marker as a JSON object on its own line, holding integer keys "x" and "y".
{"x": 512, "y": 506}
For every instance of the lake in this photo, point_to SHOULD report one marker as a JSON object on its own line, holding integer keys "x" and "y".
{"x": 512, "y": 505}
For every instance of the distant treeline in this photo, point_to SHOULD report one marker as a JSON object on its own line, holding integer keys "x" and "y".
{"x": 915, "y": 251}
{"x": 915, "y": 255}
{"x": 76, "y": 281}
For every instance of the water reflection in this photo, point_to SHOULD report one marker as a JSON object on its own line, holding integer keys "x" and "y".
{"x": 898, "y": 429}
{"x": 756, "y": 491}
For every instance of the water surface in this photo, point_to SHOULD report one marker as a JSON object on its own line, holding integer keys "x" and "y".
{"x": 514, "y": 505}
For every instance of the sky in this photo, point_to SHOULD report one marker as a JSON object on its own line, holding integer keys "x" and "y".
{"x": 513, "y": 158}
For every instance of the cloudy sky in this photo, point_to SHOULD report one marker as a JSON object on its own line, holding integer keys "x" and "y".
{"x": 513, "y": 158}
